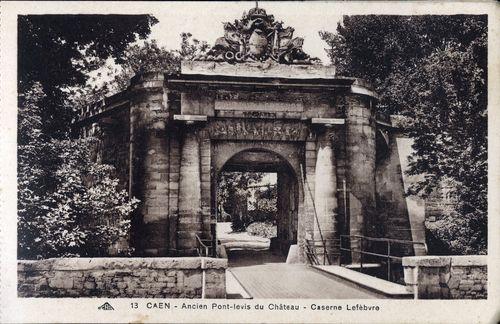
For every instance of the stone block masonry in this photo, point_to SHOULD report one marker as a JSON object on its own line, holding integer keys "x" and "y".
{"x": 447, "y": 277}
{"x": 360, "y": 158}
{"x": 392, "y": 217}
{"x": 150, "y": 164}
{"x": 190, "y": 277}
{"x": 182, "y": 129}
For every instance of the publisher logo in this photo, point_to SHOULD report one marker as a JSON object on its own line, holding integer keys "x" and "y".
{"x": 106, "y": 306}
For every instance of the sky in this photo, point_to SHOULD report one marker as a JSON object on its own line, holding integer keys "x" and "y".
{"x": 204, "y": 21}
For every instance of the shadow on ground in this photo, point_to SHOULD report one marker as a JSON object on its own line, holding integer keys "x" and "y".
{"x": 245, "y": 258}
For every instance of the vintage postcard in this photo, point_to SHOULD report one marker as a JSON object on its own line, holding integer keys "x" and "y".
{"x": 240, "y": 162}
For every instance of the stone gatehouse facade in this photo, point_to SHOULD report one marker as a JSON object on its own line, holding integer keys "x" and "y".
{"x": 338, "y": 163}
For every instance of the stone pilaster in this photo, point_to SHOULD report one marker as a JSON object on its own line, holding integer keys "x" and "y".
{"x": 287, "y": 210}
{"x": 325, "y": 196}
{"x": 173, "y": 186}
{"x": 360, "y": 156}
{"x": 307, "y": 212}
{"x": 149, "y": 163}
{"x": 190, "y": 222}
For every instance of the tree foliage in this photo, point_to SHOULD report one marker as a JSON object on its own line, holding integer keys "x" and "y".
{"x": 137, "y": 58}
{"x": 265, "y": 206}
{"x": 432, "y": 69}
{"x": 58, "y": 52}
{"x": 384, "y": 49}
{"x": 241, "y": 195}
{"x": 68, "y": 205}
{"x": 232, "y": 194}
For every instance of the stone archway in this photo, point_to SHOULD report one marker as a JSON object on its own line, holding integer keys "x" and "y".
{"x": 278, "y": 158}
{"x": 183, "y": 128}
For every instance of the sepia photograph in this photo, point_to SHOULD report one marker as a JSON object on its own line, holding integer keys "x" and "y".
{"x": 251, "y": 156}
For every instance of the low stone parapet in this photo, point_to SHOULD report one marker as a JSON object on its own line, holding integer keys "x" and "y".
{"x": 447, "y": 277}
{"x": 190, "y": 277}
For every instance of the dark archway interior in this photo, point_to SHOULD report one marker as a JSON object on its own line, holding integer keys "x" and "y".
{"x": 287, "y": 197}
{"x": 257, "y": 161}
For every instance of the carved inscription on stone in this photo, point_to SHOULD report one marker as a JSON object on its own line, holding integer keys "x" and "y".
{"x": 257, "y": 130}
{"x": 259, "y": 96}
{"x": 258, "y": 105}
{"x": 257, "y": 101}
{"x": 259, "y": 114}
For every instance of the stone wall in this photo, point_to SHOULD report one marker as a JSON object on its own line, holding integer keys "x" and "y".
{"x": 392, "y": 211}
{"x": 360, "y": 158}
{"x": 123, "y": 277}
{"x": 190, "y": 217}
{"x": 149, "y": 140}
{"x": 415, "y": 205}
{"x": 447, "y": 277}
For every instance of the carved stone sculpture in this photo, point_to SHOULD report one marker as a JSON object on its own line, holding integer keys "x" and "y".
{"x": 258, "y": 37}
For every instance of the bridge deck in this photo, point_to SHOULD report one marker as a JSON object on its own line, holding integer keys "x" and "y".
{"x": 279, "y": 280}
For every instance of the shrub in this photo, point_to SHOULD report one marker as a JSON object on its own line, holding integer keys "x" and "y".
{"x": 68, "y": 205}
{"x": 238, "y": 224}
{"x": 82, "y": 212}
{"x": 262, "y": 229}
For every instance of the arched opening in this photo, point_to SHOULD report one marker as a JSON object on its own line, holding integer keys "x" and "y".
{"x": 257, "y": 199}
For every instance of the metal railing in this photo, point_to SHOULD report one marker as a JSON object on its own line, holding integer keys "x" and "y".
{"x": 204, "y": 250}
{"x": 330, "y": 251}
{"x": 388, "y": 255}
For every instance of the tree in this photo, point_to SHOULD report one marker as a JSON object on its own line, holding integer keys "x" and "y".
{"x": 58, "y": 51}
{"x": 383, "y": 49}
{"x": 232, "y": 195}
{"x": 137, "y": 58}
{"x": 432, "y": 69}
{"x": 449, "y": 125}
{"x": 67, "y": 203}
{"x": 265, "y": 209}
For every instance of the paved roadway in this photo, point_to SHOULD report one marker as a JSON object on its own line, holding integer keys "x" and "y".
{"x": 264, "y": 275}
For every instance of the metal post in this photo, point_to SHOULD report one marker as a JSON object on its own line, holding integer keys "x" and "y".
{"x": 203, "y": 279}
{"x": 324, "y": 252}
{"x": 344, "y": 194}
{"x": 327, "y": 255}
{"x": 346, "y": 227}
{"x": 388, "y": 260}
{"x": 361, "y": 254}
{"x": 213, "y": 234}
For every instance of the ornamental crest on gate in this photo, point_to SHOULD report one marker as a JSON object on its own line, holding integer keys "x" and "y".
{"x": 258, "y": 37}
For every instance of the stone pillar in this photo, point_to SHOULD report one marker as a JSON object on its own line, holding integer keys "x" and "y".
{"x": 307, "y": 179}
{"x": 360, "y": 154}
{"x": 325, "y": 197}
{"x": 283, "y": 188}
{"x": 190, "y": 222}
{"x": 149, "y": 164}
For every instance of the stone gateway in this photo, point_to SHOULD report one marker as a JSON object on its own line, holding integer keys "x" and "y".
{"x": 254, "y": 104}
